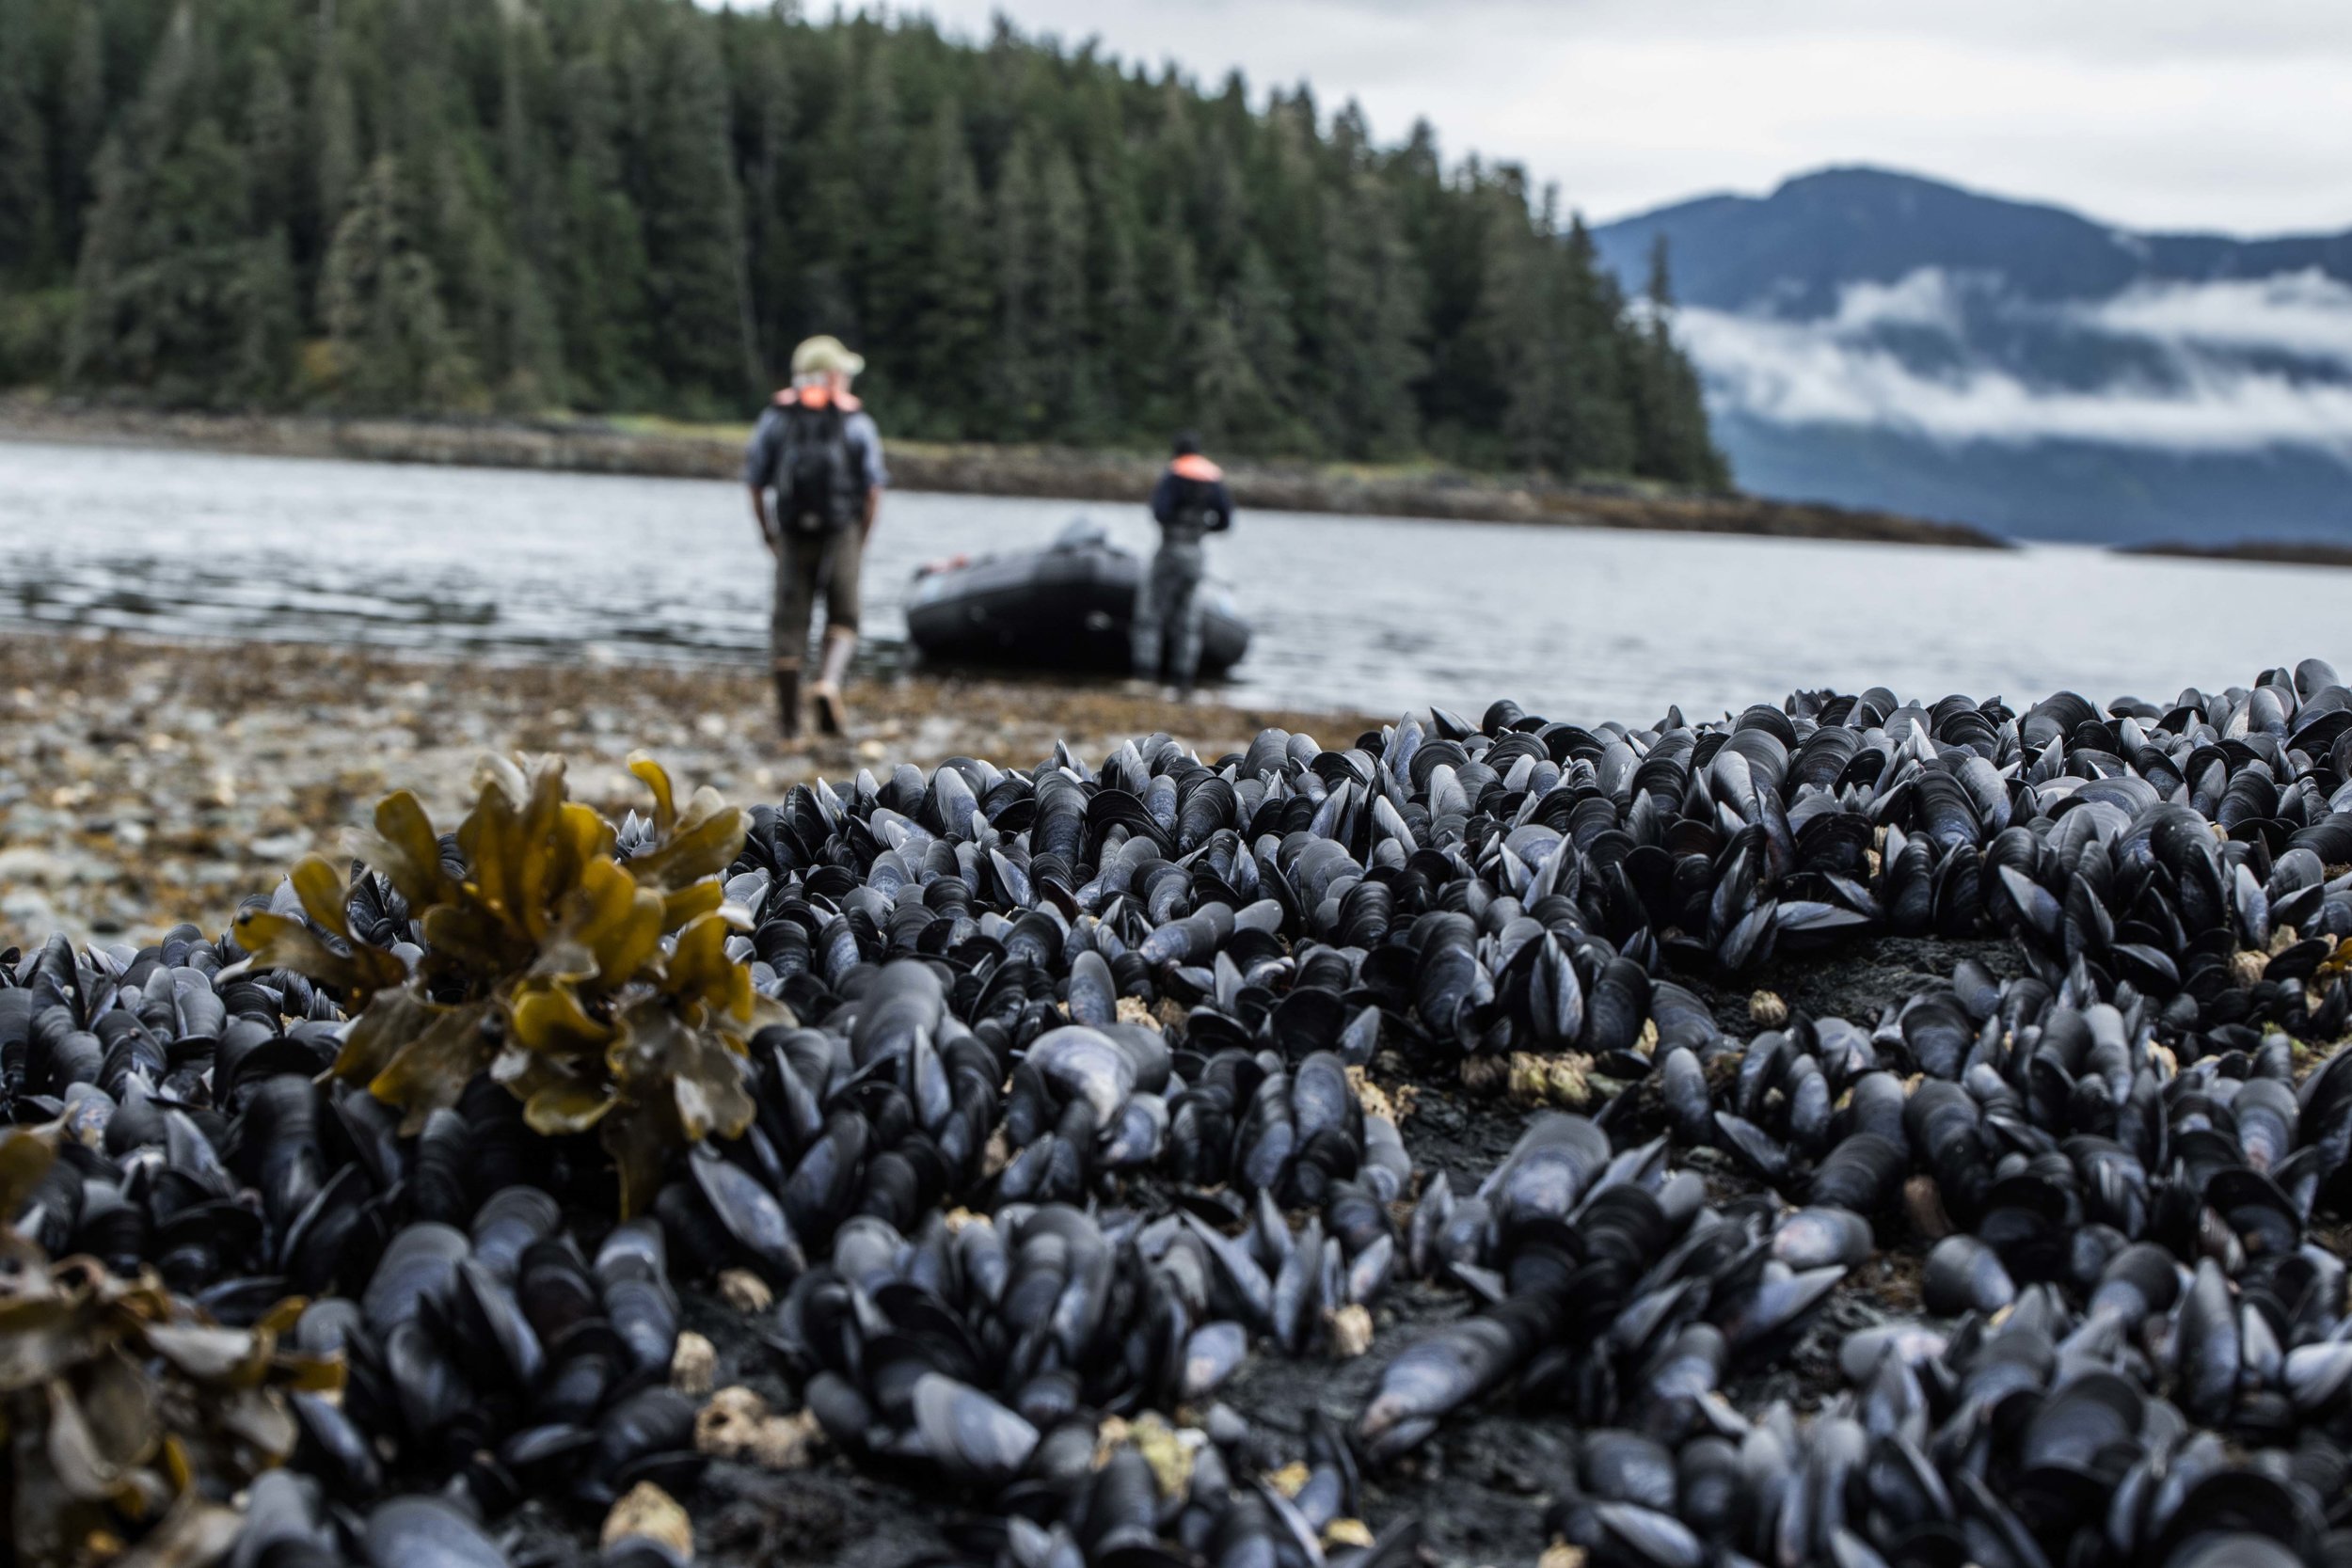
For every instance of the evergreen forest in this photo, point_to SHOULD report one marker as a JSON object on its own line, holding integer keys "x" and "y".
{"x": 639, "y": 206}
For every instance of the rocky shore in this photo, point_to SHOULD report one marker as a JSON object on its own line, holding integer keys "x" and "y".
{"x": 589, "y": 446}
{"x": 146, "y": 782}
{"x": 1850, "y": 1131}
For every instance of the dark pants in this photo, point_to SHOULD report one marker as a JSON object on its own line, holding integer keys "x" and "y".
{"x": 1168, "y": 613}
{"x": 809, "y": 565}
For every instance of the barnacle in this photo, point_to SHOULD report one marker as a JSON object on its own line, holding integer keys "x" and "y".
{"x": 128, "y": 1417}
{"x": 596, "y": 988}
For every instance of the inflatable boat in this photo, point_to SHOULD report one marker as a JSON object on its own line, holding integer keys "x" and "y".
{"x": 1066, "y": 607}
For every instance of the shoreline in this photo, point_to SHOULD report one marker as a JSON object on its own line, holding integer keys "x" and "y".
{"x": 2267, "y": 552}
{"x": 596, "y": 446}
{"x": 146, "y": 781}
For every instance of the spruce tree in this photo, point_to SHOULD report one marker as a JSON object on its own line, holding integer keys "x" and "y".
{"x": 530, "y": 358}
{"x": 948, "y": 299}
{"x": 1017, "y": 369}
{"x": 381, "y": 298}
{"x": 599, "y": 276}
{"x": 81, "y": 126}
{"x": 1671, "y": 442}
{"x": 1369, "y": 332}
{"x": 682, "y": 179}
{"x": 275, "y": 138}
{"x": 1601, "y": 437}
{"x": 27, "y": 212}
{"x": 170, "y": 271}
{"x": 1070, "y": 384}
{"x": 335, "y": 128}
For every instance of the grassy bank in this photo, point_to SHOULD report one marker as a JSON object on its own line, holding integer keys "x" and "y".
{"x": 715, "y": 451}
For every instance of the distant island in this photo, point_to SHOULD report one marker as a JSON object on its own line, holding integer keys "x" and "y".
{"x": 1874, "y": 339}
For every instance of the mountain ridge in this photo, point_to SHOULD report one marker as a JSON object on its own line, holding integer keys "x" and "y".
{"x": 1878, "y": 339}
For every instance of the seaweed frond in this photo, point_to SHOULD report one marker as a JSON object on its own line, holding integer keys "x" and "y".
{"x": 593, "y": 984}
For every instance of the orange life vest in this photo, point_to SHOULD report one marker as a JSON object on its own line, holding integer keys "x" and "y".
{"x": 818, "y": 397}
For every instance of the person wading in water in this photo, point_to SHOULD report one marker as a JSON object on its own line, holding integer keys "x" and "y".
{"x": 1190, "y": 503}
{"x": 817, "y": 449}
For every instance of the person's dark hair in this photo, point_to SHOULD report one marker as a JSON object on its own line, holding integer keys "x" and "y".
{"x": 1188, "y": 444}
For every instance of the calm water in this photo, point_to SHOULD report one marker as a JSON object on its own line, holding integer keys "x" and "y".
{"x": 1350, "y": 611}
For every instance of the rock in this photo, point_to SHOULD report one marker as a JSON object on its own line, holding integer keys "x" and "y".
{"x": 745, "y": 1290}
{"x": 1537, "y": 1080}
{"x": 736, "y": 1424}
{"x": 1168, "y": 1451}
{"x": 280, "y": 848}
{"x": 24, "y": 910}
{"x": 27, "y": 863}
{"x": 1485, "y": 1073}
{"x": 1351, "y": 1330}
{"x": 646, "y": 1513}
{"x": 694, "y": 1365}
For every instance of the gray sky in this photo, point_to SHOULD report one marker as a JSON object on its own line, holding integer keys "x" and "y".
{"x": 2154, "y": 114}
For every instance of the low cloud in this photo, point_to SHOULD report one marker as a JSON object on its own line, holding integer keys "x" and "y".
{"x": 2307, "y": 315}
{"x": 2236, "y": 365}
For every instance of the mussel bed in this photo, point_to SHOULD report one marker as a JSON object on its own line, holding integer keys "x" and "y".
{"x": 1855, "y": 1130}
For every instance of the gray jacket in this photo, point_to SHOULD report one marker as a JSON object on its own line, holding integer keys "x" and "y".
{"x": 858, "y": 433}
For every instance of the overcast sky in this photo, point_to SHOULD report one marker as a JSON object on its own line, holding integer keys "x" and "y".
{"x": 2154, "y": 114}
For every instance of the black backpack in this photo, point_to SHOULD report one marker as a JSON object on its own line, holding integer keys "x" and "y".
{"x": 817, "y": 488}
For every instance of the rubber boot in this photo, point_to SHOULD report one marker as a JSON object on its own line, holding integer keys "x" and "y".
{"x": 788, "y": 701}
{"x": 833, "y": 715}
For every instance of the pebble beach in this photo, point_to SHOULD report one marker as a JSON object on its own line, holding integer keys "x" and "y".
{"x": 144, "y": 782}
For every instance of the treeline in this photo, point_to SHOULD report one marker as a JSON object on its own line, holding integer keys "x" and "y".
{"x": 642, "y": 205}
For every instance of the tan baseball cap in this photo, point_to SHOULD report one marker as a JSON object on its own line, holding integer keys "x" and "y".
{"x": 823, "y": 356}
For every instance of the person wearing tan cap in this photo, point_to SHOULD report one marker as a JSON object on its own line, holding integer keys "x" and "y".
{"x": 817, "y": 452}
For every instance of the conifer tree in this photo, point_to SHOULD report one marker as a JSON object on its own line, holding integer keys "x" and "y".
{"x": 81, "y": 127}
{"x": 1370, "y": 342}
{"x": 336, "y": 124}
{"x": 1018, "y": 362}
{"x": 381, "y": 298}
{"x": 170, "y": 273}
{"x": 531, "y": 358}
{"x": 27, "y": 214}
{"x": 599, "y": 278}
{"x": 683, "y": 180}
{"x": 643, "y": 204}
{"x": 1070, "y": 386}
{"x": 1670, "y": 431}
{"x": 949, "y": 298}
